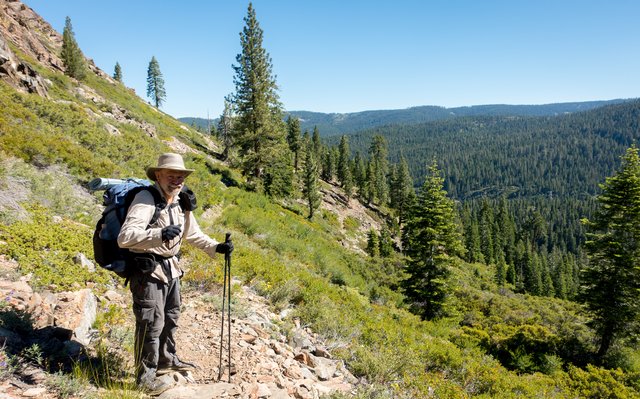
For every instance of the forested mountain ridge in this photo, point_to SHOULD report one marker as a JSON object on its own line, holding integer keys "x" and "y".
{"x": 567, "y": 155}
{"x": 547, "y": 167}
{"x": 331, "y": 124}
{"x": 347, "y": 123}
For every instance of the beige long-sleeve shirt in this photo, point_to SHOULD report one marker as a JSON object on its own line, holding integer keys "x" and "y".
{"x": 136, "y": 237}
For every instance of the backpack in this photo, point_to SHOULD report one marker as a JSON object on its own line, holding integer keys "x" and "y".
{"x": 117, "y": 198}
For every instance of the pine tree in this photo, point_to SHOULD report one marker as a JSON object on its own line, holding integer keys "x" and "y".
{"x": 344, "y": 153}
{"x": 370, "y": 182}
{"x": 431, "y": 238}
{"x": 117, "y": 72}
{"x": 359, "y": 174}
{"x": 501, "y": 270}
{"x": 612, "y": 277}
{"x": 506, "y": 225}
{"x": 225, "y": 128}
{"x": 402, "y": 192}
{"x": 472, "y": 236}
{"x": 259, "y": 130}
{"x": 386, "y": 243}
{"x": 311, "y": 190}
{"x": 532, "y": 272}
{"x": 294, "y": 139}
{"x": 485, "y": 230}
{"x": 316, "y": 142}
{"x": 71, "y": 55}
{"x": 155, "y": 83}
{"x": 328, "y": 164}
{"x": 378, "y": 156}
{"x": 278, "y": 177}
{"x": 547, "y": 281}
{"x": 373, "y": 244}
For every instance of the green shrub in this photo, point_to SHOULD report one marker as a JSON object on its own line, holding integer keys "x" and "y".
{"x": 45, "y": 247}
{"x": 594, "y": 382}
{"x": 351, "y": 225}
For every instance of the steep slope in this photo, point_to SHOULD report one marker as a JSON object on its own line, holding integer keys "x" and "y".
{"x": 261, "y": 363}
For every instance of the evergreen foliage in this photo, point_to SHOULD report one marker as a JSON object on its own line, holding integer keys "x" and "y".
{"x": 259, "y": 131}
{"x": 225, "y": 128}
{"x": 611, "y": 280}
{"x": 278, "y": 177}
{"x": 294, "y": 139}
{"x": 359, "y": 174}
{"x": 155, "y": 83}
{"x": 345, "y": 175}
{"x": 350, "y": 123}
{"x": 117, "y": 72}
{"x": 373, "y": 244}
{"x": 379, "y": 165}
{"x": 431, "y": 239}
{"x": 402, "y": 194}
{"x": 71, "y": 55}
{"x": 311, "y": 189}
{"x": 316, "y": 142}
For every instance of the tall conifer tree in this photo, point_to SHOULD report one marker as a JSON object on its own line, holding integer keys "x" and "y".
{"x": 373, "y": 244}
{"x": 311, "y": 188}
{"x": 611, "y": 281}
{"x": 378, "y": 155}
{"x": 294, "y": 139}
{"x": 360, "y": 174}
{"x": 343, "y": 159}
{"x": 431, "y": 239}
{"x": 259, "y": 130}
{"x": 402, "y": 192}
{"x": 117, "y": 72}
{"x": 155, "y": 83}
{"x": 225, "y": 127}
{"x": 71, "y": 55}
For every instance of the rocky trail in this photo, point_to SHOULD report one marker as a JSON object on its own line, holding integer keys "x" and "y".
{"x": 268, "y": 360}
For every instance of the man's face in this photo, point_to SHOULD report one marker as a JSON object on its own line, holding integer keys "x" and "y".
{"x": 171, "y": 181}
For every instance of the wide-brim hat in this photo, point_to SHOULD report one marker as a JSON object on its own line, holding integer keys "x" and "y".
{"x": 169, "y": 161}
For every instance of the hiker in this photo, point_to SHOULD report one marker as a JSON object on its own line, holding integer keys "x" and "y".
{"x": 155, "y": 281}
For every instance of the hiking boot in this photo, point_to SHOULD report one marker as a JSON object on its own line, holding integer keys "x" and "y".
{"x": 154, "y": 387}
{"x": 176, "y": 365}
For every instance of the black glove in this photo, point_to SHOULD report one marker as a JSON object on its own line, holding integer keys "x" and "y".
{"x": 224, "y": 247}
{"x": 171, "y": 232}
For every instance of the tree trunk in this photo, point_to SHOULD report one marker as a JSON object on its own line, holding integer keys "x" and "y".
{"x": 605, "y": 342}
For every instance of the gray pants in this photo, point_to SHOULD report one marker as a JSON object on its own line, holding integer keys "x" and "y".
{"x": 156, "y": 307}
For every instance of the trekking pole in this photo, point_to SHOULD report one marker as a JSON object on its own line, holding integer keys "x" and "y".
{"x": 226, "y": 297}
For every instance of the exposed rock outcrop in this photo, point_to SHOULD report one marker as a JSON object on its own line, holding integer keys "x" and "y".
{"x": 18, "y": 73}
{"x": 30, "y": 33}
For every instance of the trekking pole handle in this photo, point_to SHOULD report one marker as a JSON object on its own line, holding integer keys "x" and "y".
{"x": 227, "y": 256}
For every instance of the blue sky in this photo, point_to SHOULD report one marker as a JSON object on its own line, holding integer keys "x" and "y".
{"x": 354, "y": 55}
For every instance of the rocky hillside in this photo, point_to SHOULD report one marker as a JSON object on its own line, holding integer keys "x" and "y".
{"x": 45, "y": 332}
{"x": 34, "y": 37}
{"x": 267, "y": 360}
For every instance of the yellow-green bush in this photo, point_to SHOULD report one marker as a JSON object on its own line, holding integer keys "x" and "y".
{"x": 45, "y": 247}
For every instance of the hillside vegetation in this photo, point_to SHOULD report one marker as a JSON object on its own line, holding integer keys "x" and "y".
{"x": 492, "y": 343}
